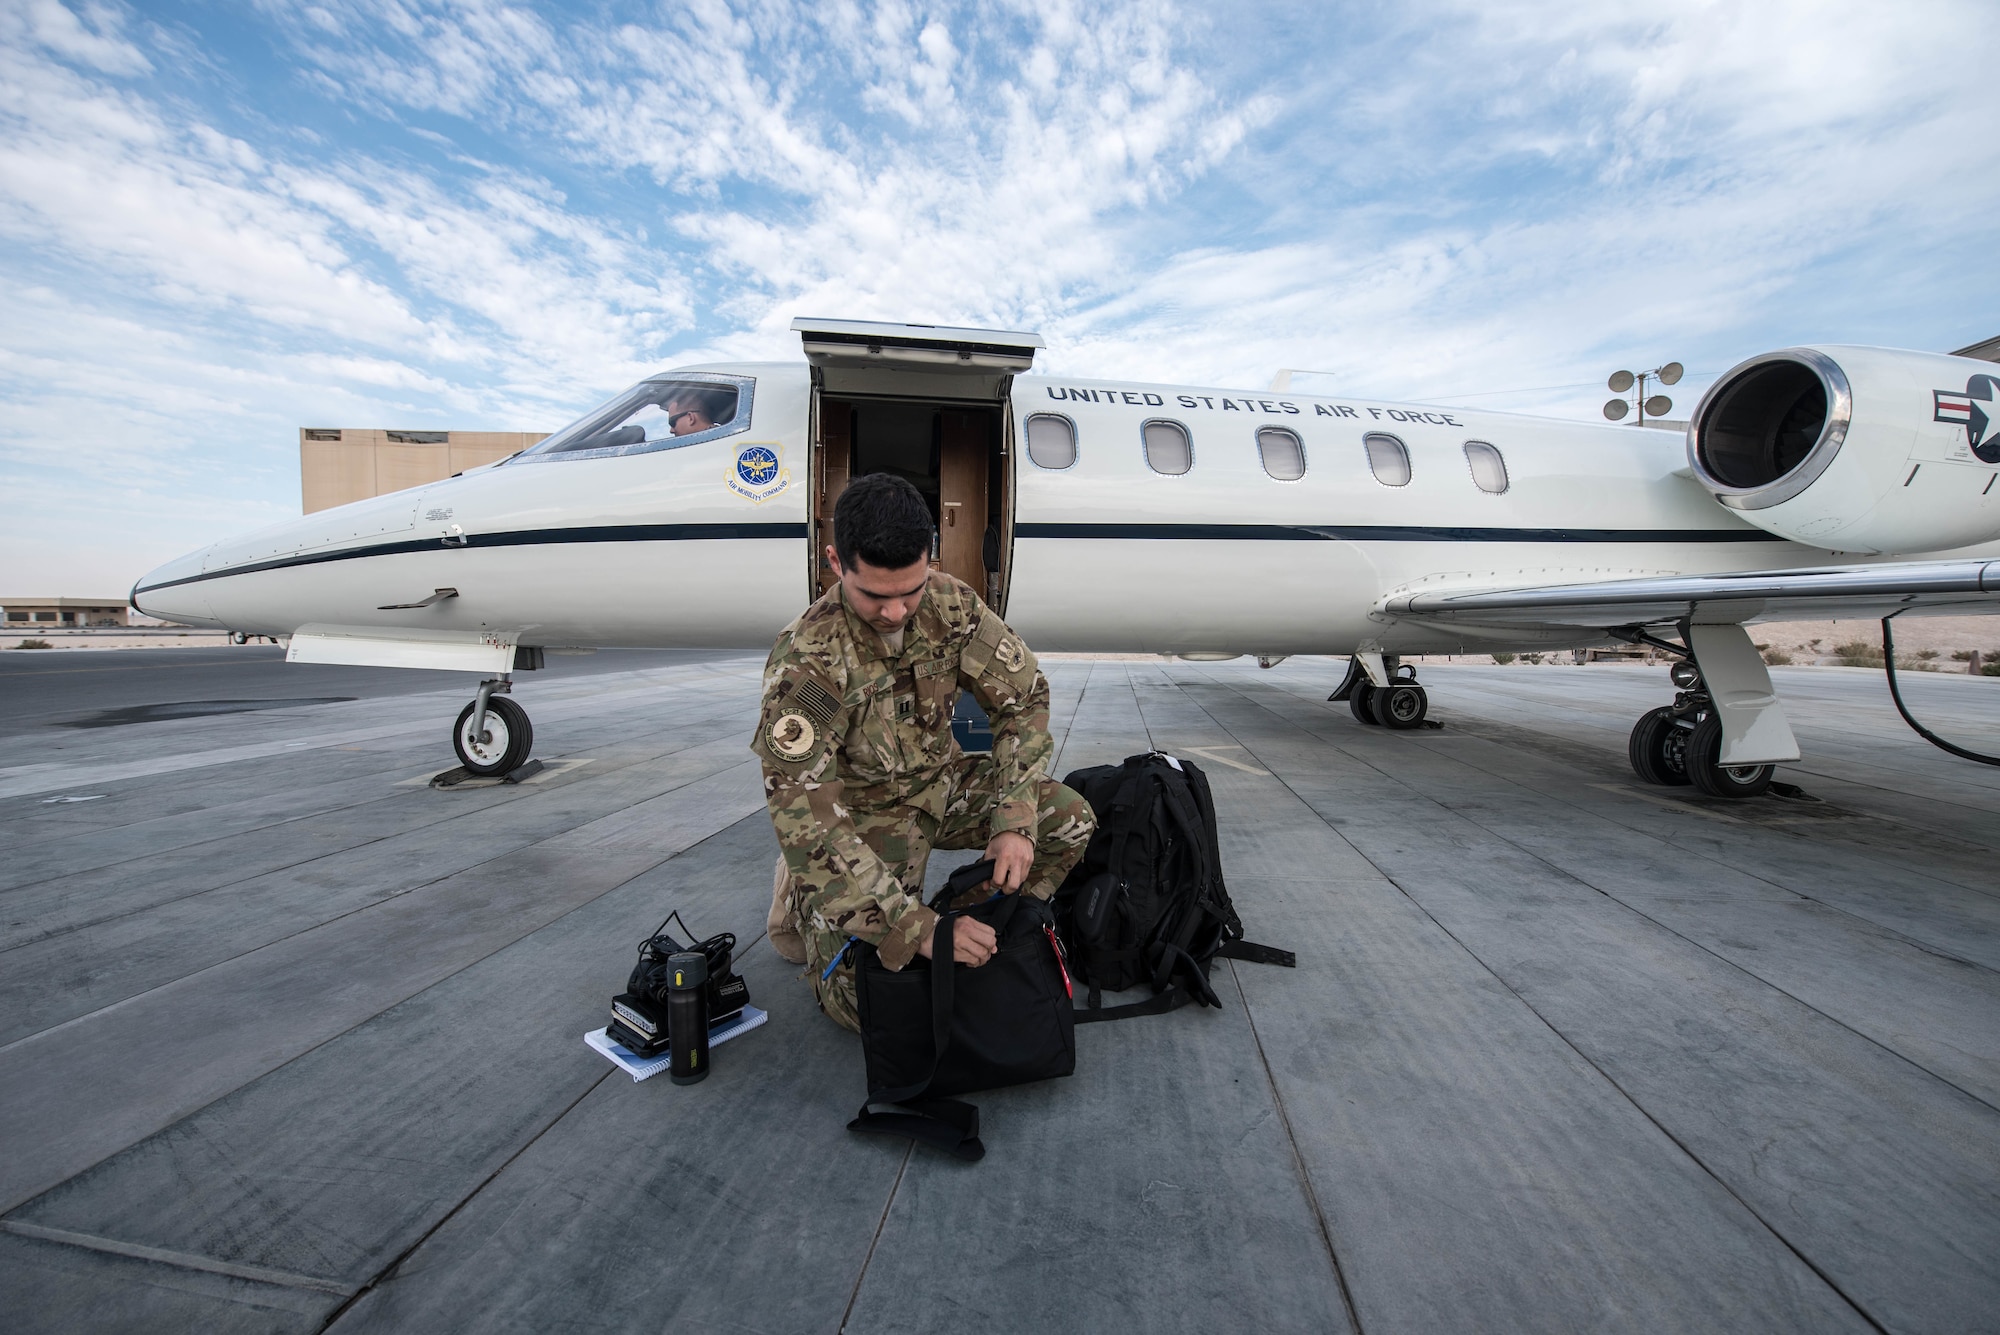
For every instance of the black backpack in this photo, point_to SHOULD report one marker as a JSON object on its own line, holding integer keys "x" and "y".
{"x": 1147, "y": 903}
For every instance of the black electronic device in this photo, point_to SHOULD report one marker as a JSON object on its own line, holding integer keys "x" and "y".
{"x": 640, "y": 1014}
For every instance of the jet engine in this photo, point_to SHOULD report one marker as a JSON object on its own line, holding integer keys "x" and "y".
{"x": 1854, "y": 449}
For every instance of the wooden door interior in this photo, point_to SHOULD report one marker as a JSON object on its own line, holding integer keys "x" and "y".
{"x": 952, "y": 454}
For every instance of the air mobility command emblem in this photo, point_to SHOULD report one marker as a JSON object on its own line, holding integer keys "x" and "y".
{"x": 791, "y": 736}
{"x": 758, "y": 472}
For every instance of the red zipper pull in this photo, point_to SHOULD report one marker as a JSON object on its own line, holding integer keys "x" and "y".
{"x": 1055, "y": 943}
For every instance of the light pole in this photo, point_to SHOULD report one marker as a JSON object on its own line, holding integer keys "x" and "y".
{"x": 1659, "y": 405}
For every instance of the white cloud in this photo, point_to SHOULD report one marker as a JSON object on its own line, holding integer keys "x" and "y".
{"x": 475, "y": 213}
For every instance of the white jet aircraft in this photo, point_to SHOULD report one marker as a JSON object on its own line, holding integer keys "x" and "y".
{"x": 694, "y": 509}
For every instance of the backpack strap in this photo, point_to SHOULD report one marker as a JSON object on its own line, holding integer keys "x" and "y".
{"x": 1126, "y": 799}
{"x": 948, "y": 1124}
{"x": 1180, "y": 994}
{"x": 1256, "y": 954}
{"x": 1162, "y": 1001}
{"x": 1172, "y": 999}
{"x": 1186, "y": 814}
{"x": 1205, "y": 806}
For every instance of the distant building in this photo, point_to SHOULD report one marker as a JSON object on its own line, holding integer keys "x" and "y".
{"x": 342, "y": 464}
{"x": 53, "y": 612}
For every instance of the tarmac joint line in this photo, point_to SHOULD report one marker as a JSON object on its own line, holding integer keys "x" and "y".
{"x": 182, "y": 1260}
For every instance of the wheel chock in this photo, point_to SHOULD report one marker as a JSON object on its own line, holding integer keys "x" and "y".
{"x": 459, "y": 774}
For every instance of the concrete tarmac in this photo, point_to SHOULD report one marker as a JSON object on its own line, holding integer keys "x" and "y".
{"x": 290, "y": 1041}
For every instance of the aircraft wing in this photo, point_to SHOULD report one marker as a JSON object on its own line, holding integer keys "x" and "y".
{"x": 1937, "y": 588}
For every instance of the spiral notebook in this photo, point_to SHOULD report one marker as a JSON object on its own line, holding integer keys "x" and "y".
{"x": 639, "y": 1068}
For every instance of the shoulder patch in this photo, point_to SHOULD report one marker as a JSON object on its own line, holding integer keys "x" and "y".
{"x": 791, "y": 736}
{"x": 800, "y": 713}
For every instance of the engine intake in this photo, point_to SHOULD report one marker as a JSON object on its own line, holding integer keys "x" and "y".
{"x": 1845, "y": 449}
{"x": 1771, "y": 427}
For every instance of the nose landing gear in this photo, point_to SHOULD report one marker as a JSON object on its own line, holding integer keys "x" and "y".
{"x": 493, "y": 735}
{"x": 1681, "y": 744}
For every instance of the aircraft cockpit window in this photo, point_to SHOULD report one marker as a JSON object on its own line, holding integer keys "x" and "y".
{"x": 1388, "y": 459}
{"x": 1489, "y": 470}
{"x": 1283, "y": 453}
{"x": 1168, "y": 449}
{"x": 1051, "y": 441}
{"x": 662, "y": 414}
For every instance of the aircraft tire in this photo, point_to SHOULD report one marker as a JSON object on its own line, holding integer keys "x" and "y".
{"x": 1361, "y": 703}
{"x": 511, "y": 736}
{"x": 1401, "y": 707}
{"x": 1722, "y": 780}
{"x": 1658, "y": 749}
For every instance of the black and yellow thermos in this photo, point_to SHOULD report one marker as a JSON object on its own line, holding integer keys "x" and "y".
{"x": 687, "y": 1017}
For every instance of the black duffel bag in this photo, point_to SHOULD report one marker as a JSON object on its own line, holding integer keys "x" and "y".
{"x": 936, "y": 1028}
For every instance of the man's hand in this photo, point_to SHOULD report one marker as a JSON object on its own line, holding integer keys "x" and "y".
{"x": 1012, "y": 853}
{"x": 972, "y": 942}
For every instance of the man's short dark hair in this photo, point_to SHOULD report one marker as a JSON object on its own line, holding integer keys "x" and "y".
{"x": 882, "y": 520}
{"x": 716, "y": 403}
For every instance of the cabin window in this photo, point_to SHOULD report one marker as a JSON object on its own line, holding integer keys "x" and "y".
{"x": 1489, "y": 470}
{"x": 1051, "y": 441}
{"x": 1388, "y": 459}
{"x": 666, "y": 413}
{"x": 1168, "y": 449}
{"x": 1283, "y": 453}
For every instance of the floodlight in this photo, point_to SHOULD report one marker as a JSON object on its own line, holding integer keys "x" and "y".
{"x": 1658, "y": 406}
{"x": 1620, "y": 382}
{"x": 1671, "y": 373}
{"x": 1617, "y": 408}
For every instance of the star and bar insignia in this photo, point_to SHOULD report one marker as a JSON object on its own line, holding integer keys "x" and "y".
{"x": 1973, "y": 410}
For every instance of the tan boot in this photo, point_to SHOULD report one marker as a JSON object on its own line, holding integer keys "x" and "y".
{"x": 784, "y": 932}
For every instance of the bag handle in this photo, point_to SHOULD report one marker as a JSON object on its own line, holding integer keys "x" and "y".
{"x": 967, "y": 878}
{"x": 947, "y": 1124}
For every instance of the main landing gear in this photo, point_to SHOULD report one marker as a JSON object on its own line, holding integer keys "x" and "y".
{"x": 1401, "y": 704}
{"x": 1681, "y": 744}
{"x": 493, "y": 736}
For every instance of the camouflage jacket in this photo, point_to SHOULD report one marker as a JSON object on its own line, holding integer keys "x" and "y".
{"x": 848, "y": 729}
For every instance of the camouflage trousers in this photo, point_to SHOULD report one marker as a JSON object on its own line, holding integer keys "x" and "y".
{"x": 903, "y": 837}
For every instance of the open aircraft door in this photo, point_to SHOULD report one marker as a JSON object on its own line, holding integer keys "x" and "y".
{"x": 930, "y": 404}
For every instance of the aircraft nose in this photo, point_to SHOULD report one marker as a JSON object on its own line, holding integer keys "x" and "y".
{"x": 175, "y": 592}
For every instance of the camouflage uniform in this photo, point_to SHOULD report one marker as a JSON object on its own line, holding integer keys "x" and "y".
{"x": 864, "y": 778}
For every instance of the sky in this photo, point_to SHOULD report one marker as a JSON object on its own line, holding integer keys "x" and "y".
{"x": 221, "y": 221}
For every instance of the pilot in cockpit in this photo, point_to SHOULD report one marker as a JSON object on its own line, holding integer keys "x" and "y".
{"x": 696, "y": 408}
